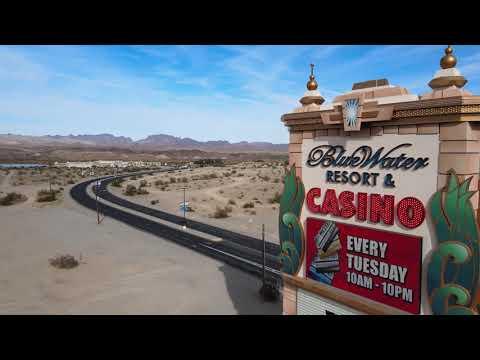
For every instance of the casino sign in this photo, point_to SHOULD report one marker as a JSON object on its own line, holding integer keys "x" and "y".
{"x": 379, "y": 213}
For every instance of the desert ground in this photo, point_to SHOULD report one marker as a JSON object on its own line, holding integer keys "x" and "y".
{"x": 122, "y": 270}
{"x": 239, "y": 197}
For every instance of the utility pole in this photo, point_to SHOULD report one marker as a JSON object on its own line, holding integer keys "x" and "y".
{"x": 264, "y": 260}
{"x": 184, "y": 208}
{"x": 96, "y": 199}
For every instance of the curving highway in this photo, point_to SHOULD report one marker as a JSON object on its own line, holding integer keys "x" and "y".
{"x": 238, "y": 250}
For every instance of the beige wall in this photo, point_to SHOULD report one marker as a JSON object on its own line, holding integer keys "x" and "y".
{"x": 459, "y": 149}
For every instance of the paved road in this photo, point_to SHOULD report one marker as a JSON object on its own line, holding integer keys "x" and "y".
{"x": 242, "y": 257}
{"x": 240, "y": 239}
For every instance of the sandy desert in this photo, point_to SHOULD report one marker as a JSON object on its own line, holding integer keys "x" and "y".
{"x": 123, "y": 270}
{"x": 239, "y": 197}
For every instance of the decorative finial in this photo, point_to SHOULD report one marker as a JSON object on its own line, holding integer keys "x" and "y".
{"x": 312, "y": 84}
{"x": 448, "y": 61}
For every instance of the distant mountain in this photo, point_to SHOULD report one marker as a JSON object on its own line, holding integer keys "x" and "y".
{"x": 160, "y": 142}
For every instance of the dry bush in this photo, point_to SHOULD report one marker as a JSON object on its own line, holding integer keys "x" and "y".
{"x": 64, "y": 262}
{"x": 142, "y": 191}
{"x": 118, "y": 182}
{"x": 130, "y": 190}
{"x": 220, "y": 213}
{"x": 221, "y": 191}
{"x": 253, "y": 212}
{"x": 248, "y": 205}
{"x": 12, "y": 198}
{"x": 143, "y": 183}
{"x": 185, "y": 180}
{"x": 275, "y": 198}
{"x": 173, "y": 180}
{"x": 158, "y": 183}
{"x": 228, "y": 209}
{"x": 154, "y": 202}
{"x": 232, "y": 202}
{"x": 47, "y": 195}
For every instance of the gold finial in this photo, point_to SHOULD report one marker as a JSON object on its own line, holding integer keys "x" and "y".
{"x": 448, "y": 61}
{"x": 312, "y": 84}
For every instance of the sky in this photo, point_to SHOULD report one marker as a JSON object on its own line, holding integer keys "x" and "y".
{"x": 234, "y": 93}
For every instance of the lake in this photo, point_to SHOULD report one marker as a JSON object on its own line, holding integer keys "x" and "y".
{"x": 11, "y": 166}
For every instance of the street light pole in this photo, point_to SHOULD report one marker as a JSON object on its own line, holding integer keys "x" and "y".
{"x": 264, "y": 260}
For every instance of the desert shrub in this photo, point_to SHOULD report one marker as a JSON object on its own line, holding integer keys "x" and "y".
{"x": 221, "y": 191}
{"x": 213, "y": 176}
{"x": 220, "y": 213}
{"x": 240, "y": 174}
{"x": 133, "y": 177}
{"x": 47, "y": 195}
{"x": 255, "y": 198}
{"x": 12, "y": 198}
{"x": 275, "y": 198}
{"x": 253, "y": 212}
{"x": 70, "y": 182}
{"x": 130, "y": 190}
{"x": 226, "y": 174}
{"x": 117, "y": 182}
{"x": 232, "y": 202}
{"x": 143, "y": 183}
{"x": 184, "y": 180}
{"x": 173, "y": 180}
{"x": 64, "y": 262}
{"x": 158, "y": 183}
{"x": 142, "y": 191}
{"x": 154, "y": 202}
{"x": 228, "y": 209}
{"x": 234, "y": 171}
{"x": 248, "y": 205}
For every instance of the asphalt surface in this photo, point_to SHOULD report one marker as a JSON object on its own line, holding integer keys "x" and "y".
{"x": 240, "y": 239}
{"x": 235, "y": 249}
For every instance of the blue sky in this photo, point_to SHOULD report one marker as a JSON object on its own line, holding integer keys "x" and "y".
{"x": 216, "y": 92}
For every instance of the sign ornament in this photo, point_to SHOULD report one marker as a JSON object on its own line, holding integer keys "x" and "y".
{"x": 292, "y": 238}
{"x": 453, "y": 272}
{"x": 351, "y": 115}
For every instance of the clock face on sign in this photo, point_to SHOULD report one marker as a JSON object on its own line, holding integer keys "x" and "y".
{"x": 351, "y": 110}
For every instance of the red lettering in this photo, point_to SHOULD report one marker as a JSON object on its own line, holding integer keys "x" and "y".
{"x": 362, "y": 206}
{"x": 379, "y": 208}
{"x": 410, "y": 212}
{"x": 311, "y": 195}
{"x": 330, "y": 203}
{"x": 382, "y": 208}
{"x": 346, "y": 202}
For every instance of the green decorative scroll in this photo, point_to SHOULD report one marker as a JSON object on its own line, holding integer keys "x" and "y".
{"x": 453, "y": 272}
{"x": 292, "y": 238}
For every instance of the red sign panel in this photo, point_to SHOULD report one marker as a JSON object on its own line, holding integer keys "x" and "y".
{"x": 380, "y": 265}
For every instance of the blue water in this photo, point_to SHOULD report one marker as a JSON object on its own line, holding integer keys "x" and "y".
{"x": 10, "y": 166}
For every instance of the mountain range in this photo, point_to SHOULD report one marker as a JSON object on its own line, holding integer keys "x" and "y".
{"x": 160, "y": 142}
